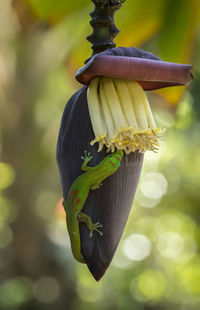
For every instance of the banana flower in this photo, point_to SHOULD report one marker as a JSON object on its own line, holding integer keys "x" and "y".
{"x": 112, "y": 112}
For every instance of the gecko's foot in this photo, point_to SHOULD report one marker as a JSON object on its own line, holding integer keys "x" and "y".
{"x": 95, "y": 186}
{"x": 87, "y": 156}
{"x": 95, "y": 228}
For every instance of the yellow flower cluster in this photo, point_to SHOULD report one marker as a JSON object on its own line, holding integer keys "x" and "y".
{"x": 121, "y": 116}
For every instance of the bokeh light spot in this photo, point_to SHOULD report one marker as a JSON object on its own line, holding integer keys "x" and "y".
{"x": 135, "y": 291}
{"x": 170, "y": 245}
{"x": 120, "y": 260}
{"x": 189, "y": 250}
{"x": 7, "y": 174}
{"x": 58, "y": 234}
{"x": 153, "y": 185}
{"x": 15, "y": 292}
{"x": 177, "y": 222}
{"x": 8, "y": 211}
{"x": 151, "y": 284}
{"x": 190, "y": 279}
{"x": 46, "y": 289}
{"x": 147, "y": 202}
{"x": 137, "y": 247}
{"x": 168, "y": 222}
{"x": 4, "y": 209}
{"x": 145, "y": 225}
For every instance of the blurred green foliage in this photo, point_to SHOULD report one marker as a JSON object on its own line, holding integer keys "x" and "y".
{"x": 157, "y": 264}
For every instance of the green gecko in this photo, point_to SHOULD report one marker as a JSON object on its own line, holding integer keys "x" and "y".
{"x": 90, "y": 180}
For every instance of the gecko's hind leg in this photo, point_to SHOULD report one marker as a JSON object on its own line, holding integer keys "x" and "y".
{"x": 84, "y": 218}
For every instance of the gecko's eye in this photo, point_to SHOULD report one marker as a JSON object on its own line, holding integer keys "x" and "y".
{"x": 110, "y": 156}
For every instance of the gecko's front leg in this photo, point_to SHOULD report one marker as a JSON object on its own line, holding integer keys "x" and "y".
{"x": 86, "y": 158}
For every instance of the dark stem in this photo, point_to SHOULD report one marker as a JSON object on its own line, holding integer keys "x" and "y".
{"x": 103, "y": 24}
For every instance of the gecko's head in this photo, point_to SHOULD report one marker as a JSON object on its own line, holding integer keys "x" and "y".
{"x": 113, "y": 160}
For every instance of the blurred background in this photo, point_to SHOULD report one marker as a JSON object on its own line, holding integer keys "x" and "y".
{"x": 157, "y": 263}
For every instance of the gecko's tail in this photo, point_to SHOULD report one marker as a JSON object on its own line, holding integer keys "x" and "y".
{"x": 73, "y": 228}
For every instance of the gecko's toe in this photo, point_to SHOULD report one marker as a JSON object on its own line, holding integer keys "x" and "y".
{"x": 100, "y": 233}
{"x": 90, "y": 235}
{"x": 87, "y": 156}
{"x": 96, "y": 226}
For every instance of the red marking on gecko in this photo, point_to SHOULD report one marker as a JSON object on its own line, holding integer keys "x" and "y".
{"x": 78, "y": 200}
{"x": 112, "y": 163}
{"x": 75, "y": 208}
{"x": 75, "y": 194}
{"x": 117, "y": 158}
